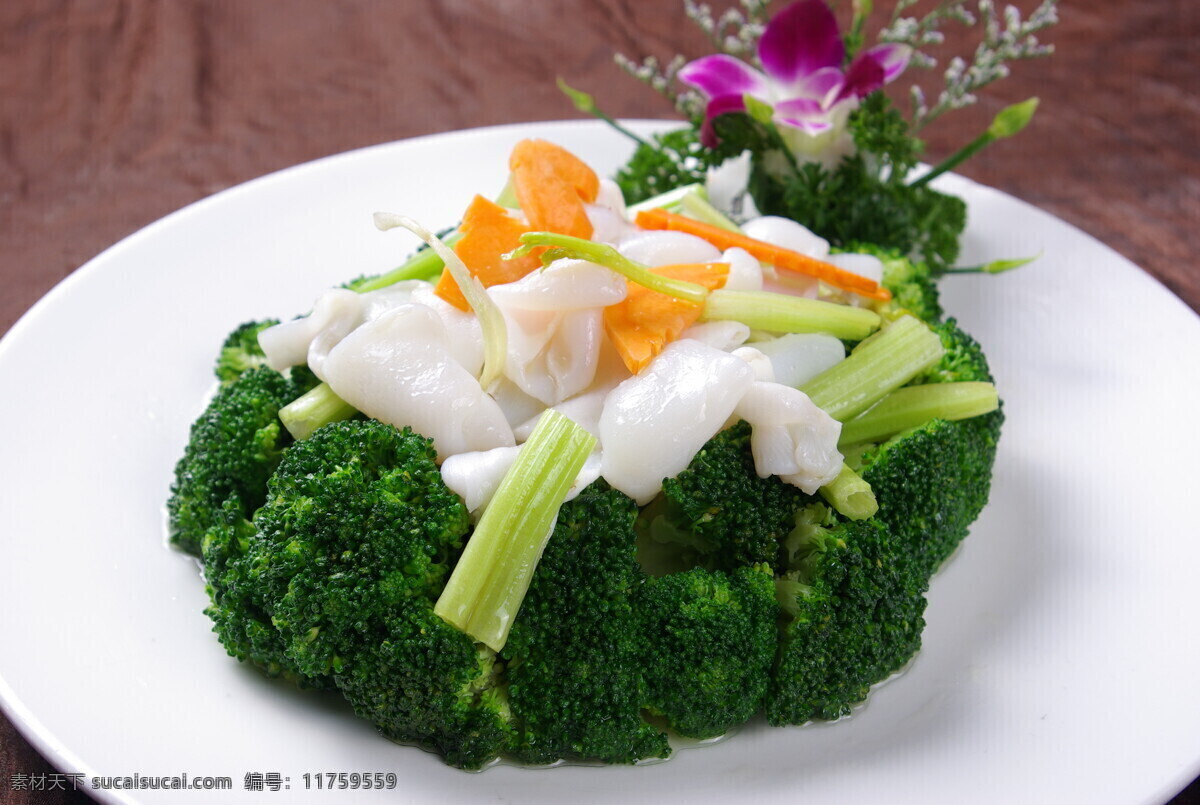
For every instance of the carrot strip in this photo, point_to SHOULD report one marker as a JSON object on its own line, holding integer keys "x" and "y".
{"x": 646, "y": 321}
{"x": 488, "y": 232}
{"x": 551, "y": 185}
{"x": 767, "y": 253}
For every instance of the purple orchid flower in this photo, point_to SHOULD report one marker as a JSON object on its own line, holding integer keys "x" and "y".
{"x": 801, "y": 52}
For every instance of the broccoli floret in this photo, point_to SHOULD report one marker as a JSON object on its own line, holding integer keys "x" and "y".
{"x": 574, "y": 653}
{"x": 234, "y": 447}
{"x": 710, "y": 643}
{"x": 237, "y": 609}
{"x": 353, "y": 546}
{"x": 241, "y": 351}
{"x": 733, "y": 517}
{"x": 914, "y": 289}
{"x": 932, "y": 482}
{"x": 854, "y": 606}
{"x": 964, "y": 359}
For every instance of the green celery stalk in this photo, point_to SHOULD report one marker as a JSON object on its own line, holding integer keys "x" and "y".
{"x": 782, "y": 313}
{"x": 669, "y": 200}
{"x": 876, "y": 368}
{"x": 489, "y": 582}
{"x": 696, "y": 206}
{"x": 424, "y": 265}
{"x": 913, "y": 406}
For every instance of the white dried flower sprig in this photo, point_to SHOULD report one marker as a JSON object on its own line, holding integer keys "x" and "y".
{"x": 663, "y": 81}
{"x": 735, "y": 32}
{"x": 1013, "y": 40}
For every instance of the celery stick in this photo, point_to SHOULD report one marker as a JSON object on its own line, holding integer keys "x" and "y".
{"x": 424, "y": 265}
{"x": 876, "y": 368}
{"x": 850, "y": 495}
{"x": 913, "y": 406}
{"x": 668, "y": 200}
{"x": 316, "y": 407}
{"x": 489, "y": 582}
{"x": 695, "y": 206}
{"x": 783, "y": 313}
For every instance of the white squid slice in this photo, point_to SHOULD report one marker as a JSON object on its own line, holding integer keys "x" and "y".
{"x": 552, "y": 356}
{"x": 555, "y": 327}
{"x": 745, "y": 272}
{"x": 864, "y": 265}
{"x": 608, "y": 216}
{"x": 335, "y": 313}
{"x": 760, "y": 363}
{"x": 564, "y": 285}
{"x": 464, "y": 335}
{"x": 399, "y": 369}
{"x": 787, "y": 234}
{"x": 339, "y": 311}
{"x": 475, "y": 477}
{"x": 517, "y": 406}
{"x": 799, "y": 357}
{"x": 583, "y": 409}
{"x": 727, "y": 184}
{"x": 654, "y": 423}
{"x": 791, "y": 436}
{"x": 722, "y": 335}
{"x": 662, "y": 248}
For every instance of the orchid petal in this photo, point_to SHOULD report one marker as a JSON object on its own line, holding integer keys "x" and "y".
{"x": 864, "y": 76}
{"x": 721, "y": 75}
{"x": 800, "y": 40}
{"x": 726, "y": 104}
{"x": 804, "y": 114}
{"x": 893, "y": 58}
{"x": 822, "y": 86}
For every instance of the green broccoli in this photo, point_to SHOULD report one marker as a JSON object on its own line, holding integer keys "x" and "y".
{"x": 352, "y": 547}
{"x": 914, "y": 289}
{"x": 574, "y": 654}
{"x": 236, "y": 603}
{"x": 933, "y": 481}
{"x": 710, "y": 643}
{"x": 722, "y": 510}
{"x": 234, "y": 447}
{"x": 854, "y": 608}
{"x": 241, "y": 351}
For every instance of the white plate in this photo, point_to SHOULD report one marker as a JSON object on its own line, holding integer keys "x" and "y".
{"x": 1060, "y": 660}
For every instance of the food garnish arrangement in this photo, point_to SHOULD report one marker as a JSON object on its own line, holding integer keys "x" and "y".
{"x": 613, "y": 462}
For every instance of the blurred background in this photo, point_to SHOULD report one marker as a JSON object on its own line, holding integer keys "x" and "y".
{"x": 113, "y": 114}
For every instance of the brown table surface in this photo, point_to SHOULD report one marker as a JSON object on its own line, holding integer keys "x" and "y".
{"x": 113, "y": 114}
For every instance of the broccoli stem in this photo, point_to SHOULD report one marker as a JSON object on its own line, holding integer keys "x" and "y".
{"x": 424, "y": 265}
{"x": 316, "y": 407}
{"x": 850, "y": 495}
{"x": 604, "y": 255}
{"x": 913, "y": 406}
{"x": 876, "y": 368}
{"x": 782, "y": 313}
{"x": 489, "y": 582}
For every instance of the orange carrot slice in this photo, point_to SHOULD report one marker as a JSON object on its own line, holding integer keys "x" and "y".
{"x": 551, "y": 185}
{"x": 488, "y": 232}
{"x": 766, "y": 252}
{"x": 646, "y": 321}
